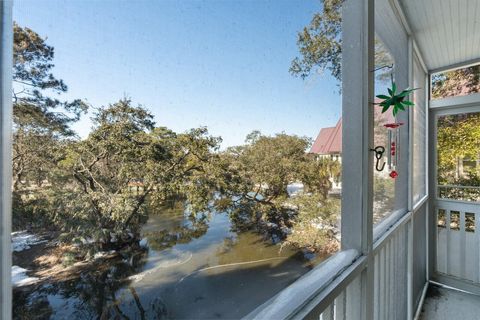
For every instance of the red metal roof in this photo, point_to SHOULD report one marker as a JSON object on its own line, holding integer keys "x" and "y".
{"x": 329, "y": 140}
{"x": 319, "y": 146}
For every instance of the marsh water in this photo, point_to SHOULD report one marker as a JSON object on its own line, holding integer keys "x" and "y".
{"x": 189, "y": 270}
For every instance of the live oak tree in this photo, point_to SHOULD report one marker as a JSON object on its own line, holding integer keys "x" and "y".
{"x": 261, "y": 171}
{"x": 256, "y": 178}
{"x": 320, "y": 43}
{"x": 316, "y": 226}
{"x": 125, "y": 149}
{"x": 40, "y": 118}
{"x": 99, "y": 190}
{"x": 105, "y": 185}
{"x": 320, "y": 46}
{"x": 41, "y": 123}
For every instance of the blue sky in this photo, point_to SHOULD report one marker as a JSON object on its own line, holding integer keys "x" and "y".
{"x": 220, "y": 64}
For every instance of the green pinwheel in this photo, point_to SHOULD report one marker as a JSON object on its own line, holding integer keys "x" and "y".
{"x": 398, "y": 101}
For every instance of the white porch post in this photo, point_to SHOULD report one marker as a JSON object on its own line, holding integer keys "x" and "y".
{"x": 6, "y": 58}
{"x": 357, "y": 173}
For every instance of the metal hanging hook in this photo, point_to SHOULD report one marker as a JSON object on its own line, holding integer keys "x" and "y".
{"x": 379, "y": 151}
{"x": 389, "y": 66}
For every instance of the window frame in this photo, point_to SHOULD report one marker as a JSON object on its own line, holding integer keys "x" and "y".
{"x": 6, "y": 64}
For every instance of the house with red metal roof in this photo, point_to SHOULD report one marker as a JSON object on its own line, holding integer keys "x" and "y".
{"x": 329, "y": 142}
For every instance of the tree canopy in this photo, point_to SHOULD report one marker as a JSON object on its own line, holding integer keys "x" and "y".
{"x": 320, "y": 43}
{"x": 40, "y": 118}
{"x": 458, "y": 147}
{"x": 458, "y": 137}
{"x": 33, "y": 79}
{"x": 125, "y": 149}
{"x": 320, "y": 49}
{"x": 457, "y": 82}
{"x": 320, "y": 46}
{"x": 98, "y": 190}
{"x": 262, "y": 170}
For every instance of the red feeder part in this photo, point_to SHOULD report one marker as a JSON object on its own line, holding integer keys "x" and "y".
{"x": 393, "y": 125}
{"x": 393, "y": 174}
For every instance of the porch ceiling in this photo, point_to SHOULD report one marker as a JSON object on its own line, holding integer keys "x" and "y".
{"x": 447, "y": 32}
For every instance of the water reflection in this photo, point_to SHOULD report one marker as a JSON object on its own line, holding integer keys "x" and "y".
{"x": 193, "y": 268}
{"x": 91, "y": 295}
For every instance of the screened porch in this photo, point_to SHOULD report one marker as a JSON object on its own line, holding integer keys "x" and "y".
{"x": 422, "y": 261}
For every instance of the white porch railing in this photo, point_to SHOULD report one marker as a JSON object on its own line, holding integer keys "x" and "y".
{"x": 458, "y": 239}
{"x": 332, "y": 290}
{"x": 391, "y": 254}
{"x": 323, "y": 293}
